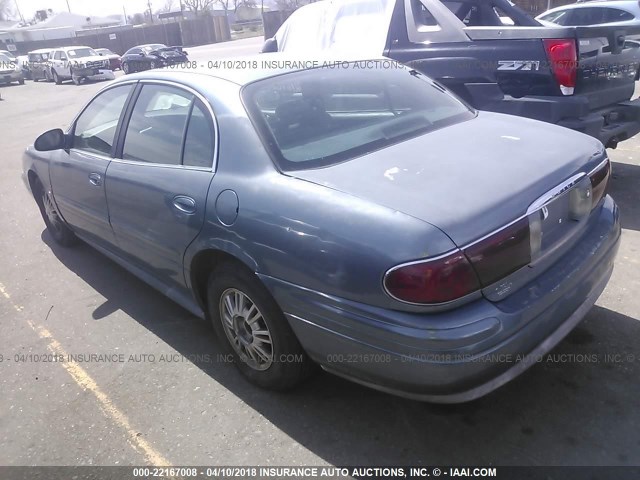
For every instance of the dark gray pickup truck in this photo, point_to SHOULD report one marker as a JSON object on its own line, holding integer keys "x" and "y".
{"x": 490, "y": 53}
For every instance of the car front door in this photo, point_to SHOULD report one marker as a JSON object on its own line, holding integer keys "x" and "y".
{"x": 78, "y": 174}
{"x": 157, "y": 188}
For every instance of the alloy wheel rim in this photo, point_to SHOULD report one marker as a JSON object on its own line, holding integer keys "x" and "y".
{"x": 246, "y": 329}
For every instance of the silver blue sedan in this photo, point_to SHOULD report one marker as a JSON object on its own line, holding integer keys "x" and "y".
{"x": 354, "y": 215}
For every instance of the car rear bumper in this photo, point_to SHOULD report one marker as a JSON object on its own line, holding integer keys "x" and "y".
{"x": 461, "y": 354}
{"x": 610, "y": 125}
{"x": 6, "y": 77}
{"x": 90, "y": 74}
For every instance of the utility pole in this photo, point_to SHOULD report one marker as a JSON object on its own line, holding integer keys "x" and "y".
{"x": 68, "y": 7}
{"x": 150, "y": 11}
{"x": 126, "y": 20}
{"x": 19, "y": 12}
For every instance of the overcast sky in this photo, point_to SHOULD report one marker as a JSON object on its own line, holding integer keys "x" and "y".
{"x": 89, "y": 7}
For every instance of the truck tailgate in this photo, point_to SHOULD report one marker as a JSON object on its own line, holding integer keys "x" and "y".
{"x": 608, "y": 61}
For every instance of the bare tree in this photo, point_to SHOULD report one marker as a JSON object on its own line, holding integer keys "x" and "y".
{"x": 168, "y": 6}
{"x": 243, "y": 3}
{"x": 199, "y": 6}
{"x": 229, "y": 5}
{"x": 6, "y": 10}
{"x": 291, "y": 4}
{"x": 137, "y": 19}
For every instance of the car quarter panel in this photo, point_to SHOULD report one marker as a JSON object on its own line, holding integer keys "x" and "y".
{"x": 299, "y": 232}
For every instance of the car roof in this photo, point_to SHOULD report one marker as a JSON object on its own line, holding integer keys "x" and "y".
{"x": 627, "y": 5}
{"x": 41, "y": 50}
{"x": 248, "y": 69}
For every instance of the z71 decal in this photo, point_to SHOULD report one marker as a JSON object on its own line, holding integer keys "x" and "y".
{"x": 524, "y": 65}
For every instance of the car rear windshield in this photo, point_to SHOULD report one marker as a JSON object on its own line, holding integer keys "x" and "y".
{"x": 319, "y": 117}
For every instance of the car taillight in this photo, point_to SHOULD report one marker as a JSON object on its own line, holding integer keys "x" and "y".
{"x": 460, "y": 273}
{"x": 599, "y": 182}
{"x": 502, "y": 253}
{"x": 563, "y": 58}
{"x": 432, "y": 281}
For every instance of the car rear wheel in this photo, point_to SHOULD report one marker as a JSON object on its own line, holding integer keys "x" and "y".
{"x": 56, "y": 227}
{"x": 56, "y": 77}
{"x": 76, "y": 80}
{"x": 251, "y": 327}
{"x": 21, "y": 81}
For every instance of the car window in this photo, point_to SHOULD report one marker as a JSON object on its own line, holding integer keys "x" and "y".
{"x": 199, "y": 141}
{"x": 559, "y": 18}
{"x": 134, "y": 51}
{"x": 423, "y": 16}
{"x": 318, "y": 117}
{"x": 56, "y": 55}
{"x": 588, "y": 16}
{"x": 81, "y": 52}
{"x": 617, "y": 15}
{"x": 157, "y": 125}
{"x": 96, "y": 127}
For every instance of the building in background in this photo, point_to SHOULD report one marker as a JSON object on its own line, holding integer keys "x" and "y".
{"x": 56, "y": 26}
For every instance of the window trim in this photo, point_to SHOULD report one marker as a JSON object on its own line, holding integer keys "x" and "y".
{"x": 72, "y": 129}
{"x": 121, "y": 134}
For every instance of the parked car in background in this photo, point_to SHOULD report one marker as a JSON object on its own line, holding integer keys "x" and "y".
{"x": 579, "y": 78}
{"x": 612, "y": 13}
{"x": 10, "y": 70}
{"x": 39, "y": 64}
{"x": 23, "y": 61}
{"x": 78, "y": 64}
{"x": 351, "y": 216}
{"x": 147, "y": 57}
{"x": 115, "y": 62}
{"x": 9, "y": 54}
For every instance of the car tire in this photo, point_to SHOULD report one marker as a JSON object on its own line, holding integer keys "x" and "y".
{"x": 47, "y": 76}
{"x": 56, "y": 226}
{"x": 76, "y": 80}
{"x": 56, "y": 77}
{"x": 253, "y": 329}
{"x": 125, "y": 68}
{"x": 21, "y": 81}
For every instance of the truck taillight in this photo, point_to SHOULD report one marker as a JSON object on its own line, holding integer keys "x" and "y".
{"x": 600, "y": 181}
{"x": 563, "y": 59}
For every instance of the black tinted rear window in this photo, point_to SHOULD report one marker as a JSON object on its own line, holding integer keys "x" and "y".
{"x": 319, "y": 117}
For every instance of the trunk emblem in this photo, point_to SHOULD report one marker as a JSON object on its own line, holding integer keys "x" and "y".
{"x": 545, "y": 213}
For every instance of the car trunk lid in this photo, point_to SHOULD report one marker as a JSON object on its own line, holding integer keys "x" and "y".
{"x": 469, "y": 179}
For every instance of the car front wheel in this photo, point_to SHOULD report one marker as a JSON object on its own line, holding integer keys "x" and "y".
{"x": 56, "y": 227}
{"x": 251, "y": 327}
{"x": 125, "y": 68}
{"x": 56, "y": 78}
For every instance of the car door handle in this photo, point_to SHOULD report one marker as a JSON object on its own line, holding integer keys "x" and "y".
{"x": 95, "y": 179}
{"x": 184, "y": 204}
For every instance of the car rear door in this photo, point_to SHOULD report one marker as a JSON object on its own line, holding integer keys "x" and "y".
{"x": 157, "y": 187}
{"x": 78, "y": 174}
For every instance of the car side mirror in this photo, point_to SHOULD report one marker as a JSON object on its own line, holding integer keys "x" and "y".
{"x": 52, "y": 140}
{"x": 270, "y": 46}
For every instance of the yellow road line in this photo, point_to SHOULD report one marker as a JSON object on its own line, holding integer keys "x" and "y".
{"x": 84, "y": 381}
